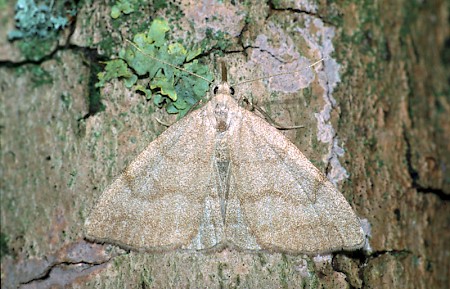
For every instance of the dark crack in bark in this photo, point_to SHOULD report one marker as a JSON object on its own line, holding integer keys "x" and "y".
{"x": 48, "y": 276}
{"x": 415, "y": 176}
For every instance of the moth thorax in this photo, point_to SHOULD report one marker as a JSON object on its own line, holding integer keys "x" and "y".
{"x": 221, "y": 114}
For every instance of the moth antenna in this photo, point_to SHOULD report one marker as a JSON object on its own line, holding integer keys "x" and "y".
{"x": 279, "y": 74}
{"x": 224, "y": 71}
{"x": 273, "y": 123}
{"x": 167, "y": 63}
{"x": 267, "y": 117}
{"x": 162, "y": 122}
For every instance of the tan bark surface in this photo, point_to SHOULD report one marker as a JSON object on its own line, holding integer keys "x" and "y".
{"x": 388, "y": 112}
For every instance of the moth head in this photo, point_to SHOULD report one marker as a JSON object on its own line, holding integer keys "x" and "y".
{"x": 223, "y": 88}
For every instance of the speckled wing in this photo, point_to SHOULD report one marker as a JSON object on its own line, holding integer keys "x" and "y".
{"x": 158, "y": 201}
{"x": 288, "y": 204}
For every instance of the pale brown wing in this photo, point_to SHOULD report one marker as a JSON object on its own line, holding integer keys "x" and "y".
{"x": 287, "y": 203}
{"x": 158, "y": 201}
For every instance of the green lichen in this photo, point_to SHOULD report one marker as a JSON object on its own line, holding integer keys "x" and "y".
{"x": 126, "y": 7}
{"x": 66, "y": 100}
{"x": 116, "y": 68}
{"x": 220, "y": 274}
{"x": 146, "y": 278}
{"x": 73, "y": 175}
{"x": 122, "y": 7}
{"x": 313, "y": 278}
{"x": 262, "y": 259}
{"x": 159, "y": 4}
{"x": 283, "y": 267}
{"x": 108, "y": 42}
{"x": 144, "y": 67}
{"x": 37, "y": 74}
{"x": 40, "y": 76}
{"x": 4, "y": 249}
{"x": 130, "y": 15}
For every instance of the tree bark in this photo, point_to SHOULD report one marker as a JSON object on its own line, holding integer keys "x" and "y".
{"x": 375, "y": 117}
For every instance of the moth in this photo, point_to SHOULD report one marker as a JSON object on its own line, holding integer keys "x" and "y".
{"x": 224, "y": 177}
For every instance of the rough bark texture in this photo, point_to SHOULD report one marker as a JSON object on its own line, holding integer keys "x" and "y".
{"x": 384, "y": 99}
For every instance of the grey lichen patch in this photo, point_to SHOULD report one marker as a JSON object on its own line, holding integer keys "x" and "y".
{"x": 272, "y": 60}
{"x": 41, "y": 20}
{"x": 38, "y": 26}
{"x": 328, "y": 79}
{"x": 215, "y": 16}
{"x": 289, "y": 42}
